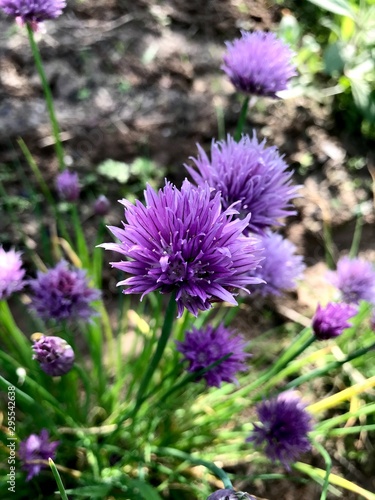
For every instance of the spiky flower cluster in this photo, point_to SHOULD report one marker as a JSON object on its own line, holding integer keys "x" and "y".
{"x": 332, "y": 320}
{"x": 253, "y": 176}
{"x": 201, "y": 348}
{"x": 33, "y": 11}
{"x": 181, "y": 242}
{"x": 63, "y": 293}
{"x": 281, "y": 267}
{"x": 259, "y": 63}
{"x": 54, "y": 354}
{"x": 34, "y": 449}
{"x": 230, "y": 495}
{"x": 355, "y": 278}
{"x": 283, "y": 428}
{"x": 11, "y": 273}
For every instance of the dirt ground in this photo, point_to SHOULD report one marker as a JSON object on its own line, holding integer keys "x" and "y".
{"x": 143, "y": 78}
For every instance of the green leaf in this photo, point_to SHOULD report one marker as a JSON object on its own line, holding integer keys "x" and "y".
{"x": 94, "y": 491}
{"x": 340, "y": 7}
{"x": 289, "y": 30}
{"x": 113, "y": 169}
{"x": 333, "y": 59}
{"x": 143, "y": 489}
{"x": 361, "y": 91}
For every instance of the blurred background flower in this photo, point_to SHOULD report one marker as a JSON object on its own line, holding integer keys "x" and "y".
{"x": 63, "y": 293}
{"x": 203, "y": 347}
{"x": 259, "y": 63}
{"x": 250, "y": 174}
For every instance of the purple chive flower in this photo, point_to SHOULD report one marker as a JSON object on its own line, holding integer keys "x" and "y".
{"x": 11, "y": 273}
{"x": 102, "y": 205}
{"x": 281, "y": 268}
{"x": 182, "y": 242}
{"x": 251, "y": 174}
{"x": 230, "y": 495}
{"x": 54, "y": 354}
{"x": 35, "y": 448}
{"x": 355, "y": 278}
{"x": 63, "y": 293}
{"x": 332, "y": 320}
{"x": 259, "y": 63}
{"x": 67, "y": 185}
{"x": 203, "y": 347}
{"x": 33, "y": 11}
{"x": 283, "y": 428}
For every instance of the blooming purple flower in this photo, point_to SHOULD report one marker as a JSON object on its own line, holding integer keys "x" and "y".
{"x": 67, "y": 185}
{"x": 63, "y": 293}
{"x": 34, "y": 448}
{"x": 54, "y": 354}
{"x": 230, "y": 495}
{"x": 182, "y": 242}
{"x": 332, "y": 320}
{"x": 259, "y": 63}
{"x": 251, "y": 174}
{"x": 33, "y": 11}
{"x": 355, "y": 278}
{"x": 283, "y": 428}
{"x": 102, "y": 205}
{"x": 11, "y": 273}
{"x": 281, "y": 268}
{"x": 203, "y": 347}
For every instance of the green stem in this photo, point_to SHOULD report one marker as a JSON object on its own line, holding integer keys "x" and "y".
{"x": 328, "y": 462}
{"x": 356, "y": 237}
{"x": 21, "y": 344}
{"x": 58, "y": 480}
{"x": 192, "y": 377}
{"x": 48, "y": 96}
{"x": 95, "y": 344}
{"x": 220, "y": 122}
{"x": 328, "y": 368}
{"x": 24, "y": 400}
{"x": 35, "y": 169}
{"x": 87, "y": 385}
{"x": 328, "y": 245}
{"x": 294, "y": 350}
{"x": 241, "y": 119}
{"x": 196, "y": 461}
{"x": 82, "y": 249}
{"x": 162, "y": 343}
{"x": 351, "y": 430}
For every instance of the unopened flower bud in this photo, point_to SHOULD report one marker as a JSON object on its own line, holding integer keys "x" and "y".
{"x": 54, "y": 354}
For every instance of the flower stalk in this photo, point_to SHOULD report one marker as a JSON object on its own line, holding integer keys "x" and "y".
{"x": 48, "y": 97}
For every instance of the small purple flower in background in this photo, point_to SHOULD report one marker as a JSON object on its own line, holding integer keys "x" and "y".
{"x": 11, "y": 273}
{"x": 36, "y": 447}
{"x": 230, "y": 495}
{"x": 102, "y": 205}
{"x": 283, "y": 428}
{"x": 182, "y": 242}
{"x": 33, "y": 11}
{"x": 54, "y": 354}
{"x": 203, "y": 347}
{"x": 63, "y": 293}
{"x": 251, "y": 174}
{"x": 332, "y": 320}
{"x": 281, "y": 268}
{"x": 355, "y": 278}
{"x": 259, "y": 63}
{"x": 67, "y": 185}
